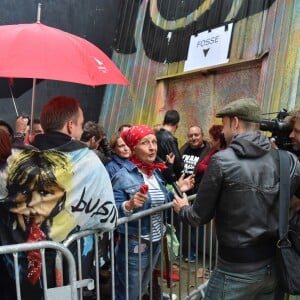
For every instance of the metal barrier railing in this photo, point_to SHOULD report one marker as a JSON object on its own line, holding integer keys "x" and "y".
{"x": 190, "y": 283}
{"x": 185, "y": 285}
{"x": 66, "y": 292}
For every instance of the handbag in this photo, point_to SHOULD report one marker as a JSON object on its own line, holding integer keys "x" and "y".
{"x": 287, "y": 255}
{"x": 294, "y": 231}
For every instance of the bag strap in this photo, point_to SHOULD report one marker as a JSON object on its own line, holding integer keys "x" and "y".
{"x": 284, "y": 193}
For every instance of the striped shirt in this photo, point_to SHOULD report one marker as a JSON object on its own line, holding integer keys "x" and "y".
{"x": 157, "y": 198}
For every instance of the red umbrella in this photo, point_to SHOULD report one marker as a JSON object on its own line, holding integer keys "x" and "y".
{"x": 39, "y": 51}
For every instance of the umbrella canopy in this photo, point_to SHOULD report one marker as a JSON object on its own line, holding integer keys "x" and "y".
{"x": 39, "y": 51}
{"x": 15, "y": 86}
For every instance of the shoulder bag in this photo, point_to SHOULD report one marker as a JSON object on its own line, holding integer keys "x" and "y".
{"x": 287, "y": 256}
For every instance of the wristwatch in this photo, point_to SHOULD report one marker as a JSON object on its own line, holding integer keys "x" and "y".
{"x": 19, "y": 135}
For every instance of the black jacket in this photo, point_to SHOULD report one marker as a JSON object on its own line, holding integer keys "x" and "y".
{"x": 167, "y": 143}
{"x": 240, "y": 189}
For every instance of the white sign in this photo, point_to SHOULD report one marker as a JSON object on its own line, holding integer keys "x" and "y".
{"x": 209, "y": 48}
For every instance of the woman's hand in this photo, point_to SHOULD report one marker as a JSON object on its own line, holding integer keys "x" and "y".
{"x": 136, "y": 201}
{"x": 179, "y": 202}
{"x": 185, "y": 184}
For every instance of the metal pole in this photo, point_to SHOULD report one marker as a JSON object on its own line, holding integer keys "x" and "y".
{"x": 13, "y": 99}
{"x": 32, "y": 103}
{"x": 39, "y": 12}
{"x": 38, "y": 19}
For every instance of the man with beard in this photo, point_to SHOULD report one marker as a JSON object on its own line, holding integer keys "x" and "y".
{"x": 240, "y": 189}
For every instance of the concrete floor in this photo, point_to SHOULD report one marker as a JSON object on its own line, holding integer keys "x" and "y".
{"x": 190, "y": 278}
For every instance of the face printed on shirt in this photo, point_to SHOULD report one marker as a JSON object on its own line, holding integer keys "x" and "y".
{"x": 33, "y": 190}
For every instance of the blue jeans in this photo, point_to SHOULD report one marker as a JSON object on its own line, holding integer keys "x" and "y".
{"x": 257, "y": 285}
{"x": 135, "y": 278}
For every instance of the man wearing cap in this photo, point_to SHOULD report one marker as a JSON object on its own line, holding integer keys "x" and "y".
{"x": 240, "y": 189}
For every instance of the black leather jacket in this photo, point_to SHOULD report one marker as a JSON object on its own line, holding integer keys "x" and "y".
{"x": 167, "y": 143}
{"x": 240, "y": 189}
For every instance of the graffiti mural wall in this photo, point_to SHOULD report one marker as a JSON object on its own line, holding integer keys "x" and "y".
{"x": 151, "y": 44}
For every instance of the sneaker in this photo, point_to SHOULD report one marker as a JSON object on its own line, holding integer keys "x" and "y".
{"x": 191, "y": 259}
{"x": 167, "y": 296}
{"x": 178, "y": 257}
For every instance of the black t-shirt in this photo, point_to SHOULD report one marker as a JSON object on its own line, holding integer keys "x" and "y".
{"x": 190, "y": 158}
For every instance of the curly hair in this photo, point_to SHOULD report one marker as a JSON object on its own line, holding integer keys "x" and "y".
{"x": 216, "y": 132}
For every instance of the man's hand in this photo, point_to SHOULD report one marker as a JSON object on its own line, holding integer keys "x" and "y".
{"x": 22, "y": 125}
{"x": 180, "y": 202}
{"x": 170, "y": 158}
{"x": 185, "y": 184}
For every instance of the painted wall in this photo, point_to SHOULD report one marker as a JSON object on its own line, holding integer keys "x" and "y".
{"x": 151, "y": 44}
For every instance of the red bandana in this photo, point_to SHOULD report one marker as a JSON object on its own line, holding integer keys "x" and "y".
{"x": 34, "y": 256}
{"x": 134, "y": 134}
{"x": 146, "y": 167}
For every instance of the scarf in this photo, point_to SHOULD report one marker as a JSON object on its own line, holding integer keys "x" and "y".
{"x": 34, "y": 256}
{"x": 147, "y": 168}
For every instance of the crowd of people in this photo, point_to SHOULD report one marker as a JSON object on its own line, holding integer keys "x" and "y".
{"x": 64, "y": 175}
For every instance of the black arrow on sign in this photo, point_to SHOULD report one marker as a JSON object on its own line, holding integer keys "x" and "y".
{"x": 205, "y": 51}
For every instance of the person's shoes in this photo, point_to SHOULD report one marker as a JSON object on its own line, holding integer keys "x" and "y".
{"x": 167, "y": 297}
{"x": 178, "y": 257}
{"x": 191, "y": 259}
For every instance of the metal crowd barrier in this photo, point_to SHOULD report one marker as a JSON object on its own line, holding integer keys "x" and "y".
{"x": 193, "y": 276}
{"x": 66, "y": 292}
{"x": 182, "y": 280}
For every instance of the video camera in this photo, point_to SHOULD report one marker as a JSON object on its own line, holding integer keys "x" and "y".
{"x": 280, "y": 130}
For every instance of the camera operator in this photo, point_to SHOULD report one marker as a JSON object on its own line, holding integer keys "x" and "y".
{"x": 293, "y": 120}
{"x": 285, "y": 129}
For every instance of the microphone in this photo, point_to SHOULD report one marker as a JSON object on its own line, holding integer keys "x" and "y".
{"x": 170, "y": 178}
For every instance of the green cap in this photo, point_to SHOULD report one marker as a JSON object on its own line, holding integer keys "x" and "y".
{"x": 245, "y": 109}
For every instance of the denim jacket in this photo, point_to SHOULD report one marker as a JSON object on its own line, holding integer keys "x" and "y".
{"x": 126, "y": 183}
{"x": 114, "y": 165}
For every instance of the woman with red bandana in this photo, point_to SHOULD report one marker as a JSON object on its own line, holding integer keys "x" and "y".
{"x": 139, "y": 186}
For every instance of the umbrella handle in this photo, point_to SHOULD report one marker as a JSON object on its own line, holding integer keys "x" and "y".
{"x": 32, "y": 104}
{"x": 13, "y": 99}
